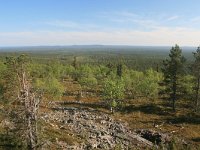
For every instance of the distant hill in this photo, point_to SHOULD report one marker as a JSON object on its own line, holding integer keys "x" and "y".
{"x": 91, "y": 48}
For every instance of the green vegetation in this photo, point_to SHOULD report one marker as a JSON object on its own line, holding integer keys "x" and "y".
{"x": 173, "y": 69}
{"x": 113, "y": 92}
{"x": 196, "y": 73}
{"x": 136, "y": 86}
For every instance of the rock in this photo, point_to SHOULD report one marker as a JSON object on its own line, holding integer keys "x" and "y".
{"x": 70, "y": 121}
{"x": 155, "y": 137}
{"x": 99, "y": 129}
{"x": 7, "y": 124}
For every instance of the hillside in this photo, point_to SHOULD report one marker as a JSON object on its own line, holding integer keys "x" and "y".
{"x": 78, "y": 90}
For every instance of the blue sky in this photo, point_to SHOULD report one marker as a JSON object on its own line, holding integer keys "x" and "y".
{"x": 112, "y": 22}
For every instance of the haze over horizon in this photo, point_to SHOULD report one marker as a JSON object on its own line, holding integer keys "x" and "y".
{"x": 88, "y": 22}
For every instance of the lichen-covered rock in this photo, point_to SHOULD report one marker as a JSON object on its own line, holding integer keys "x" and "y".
{"x": 99, "y": 129}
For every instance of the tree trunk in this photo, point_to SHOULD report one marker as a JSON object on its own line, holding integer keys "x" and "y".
{"x": 174, "y": 88}
{"x": 31, "y": 104}
{"x": 197, "y": 93}
{"x": 173, "y": 103}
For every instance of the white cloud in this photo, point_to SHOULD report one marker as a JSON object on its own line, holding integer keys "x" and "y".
{"x": 65, "y": 24}
{"x": 141, "y": 22}
{"x": 196, "y": 19}
{"x": 126, "y": 14}
{"x": 112, "y": 14}
{"x": 159, "y": 36}
{"x": 124, "y": 17}
{"x": 71, "y": 25}
{"x": 172, "y": 18}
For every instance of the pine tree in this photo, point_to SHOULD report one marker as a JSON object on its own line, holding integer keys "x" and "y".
{"x": 173, "y": 69}
{"x": 196, "y": 73}
{"x": 119, "y": 70}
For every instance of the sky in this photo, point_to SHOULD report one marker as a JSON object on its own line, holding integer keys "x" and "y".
{"x": 106, "y": 22}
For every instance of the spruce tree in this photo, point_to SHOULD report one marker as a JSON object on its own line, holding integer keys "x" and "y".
{"x": 172, "y": 70}
{"x": 196, "y": 73}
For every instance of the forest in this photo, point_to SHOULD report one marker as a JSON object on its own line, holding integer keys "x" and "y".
{"x": 155, "y": 90}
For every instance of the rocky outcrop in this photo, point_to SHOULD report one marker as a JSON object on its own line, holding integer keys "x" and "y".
{"x": 154, "y": 137}
{"x": 98, "y": 129}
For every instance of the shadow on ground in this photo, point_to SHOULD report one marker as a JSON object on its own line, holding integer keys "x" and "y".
{"x": 147, "y": 108}
{"x": 190, "y": 118}
{"x": 8, "y": 142}
{"x": 196, "y": 139}
{"x": 91, "y": 105}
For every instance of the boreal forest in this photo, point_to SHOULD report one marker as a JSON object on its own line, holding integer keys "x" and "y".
{"x": 100, "y": 97}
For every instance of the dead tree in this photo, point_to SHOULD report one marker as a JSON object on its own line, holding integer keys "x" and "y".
{"x": 27, "y": 102}
{"x": 31, "y": 105}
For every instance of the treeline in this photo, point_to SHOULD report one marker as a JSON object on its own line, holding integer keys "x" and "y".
{"x": 116, "y": 81}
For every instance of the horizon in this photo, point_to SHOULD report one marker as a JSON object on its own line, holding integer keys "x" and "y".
{"x": 99, "y": 47}
{"x": 133, "y": 23}
{"x": 95, "y": 45}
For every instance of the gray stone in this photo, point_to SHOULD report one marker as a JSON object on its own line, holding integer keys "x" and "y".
{"x": 99, "y": 129}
